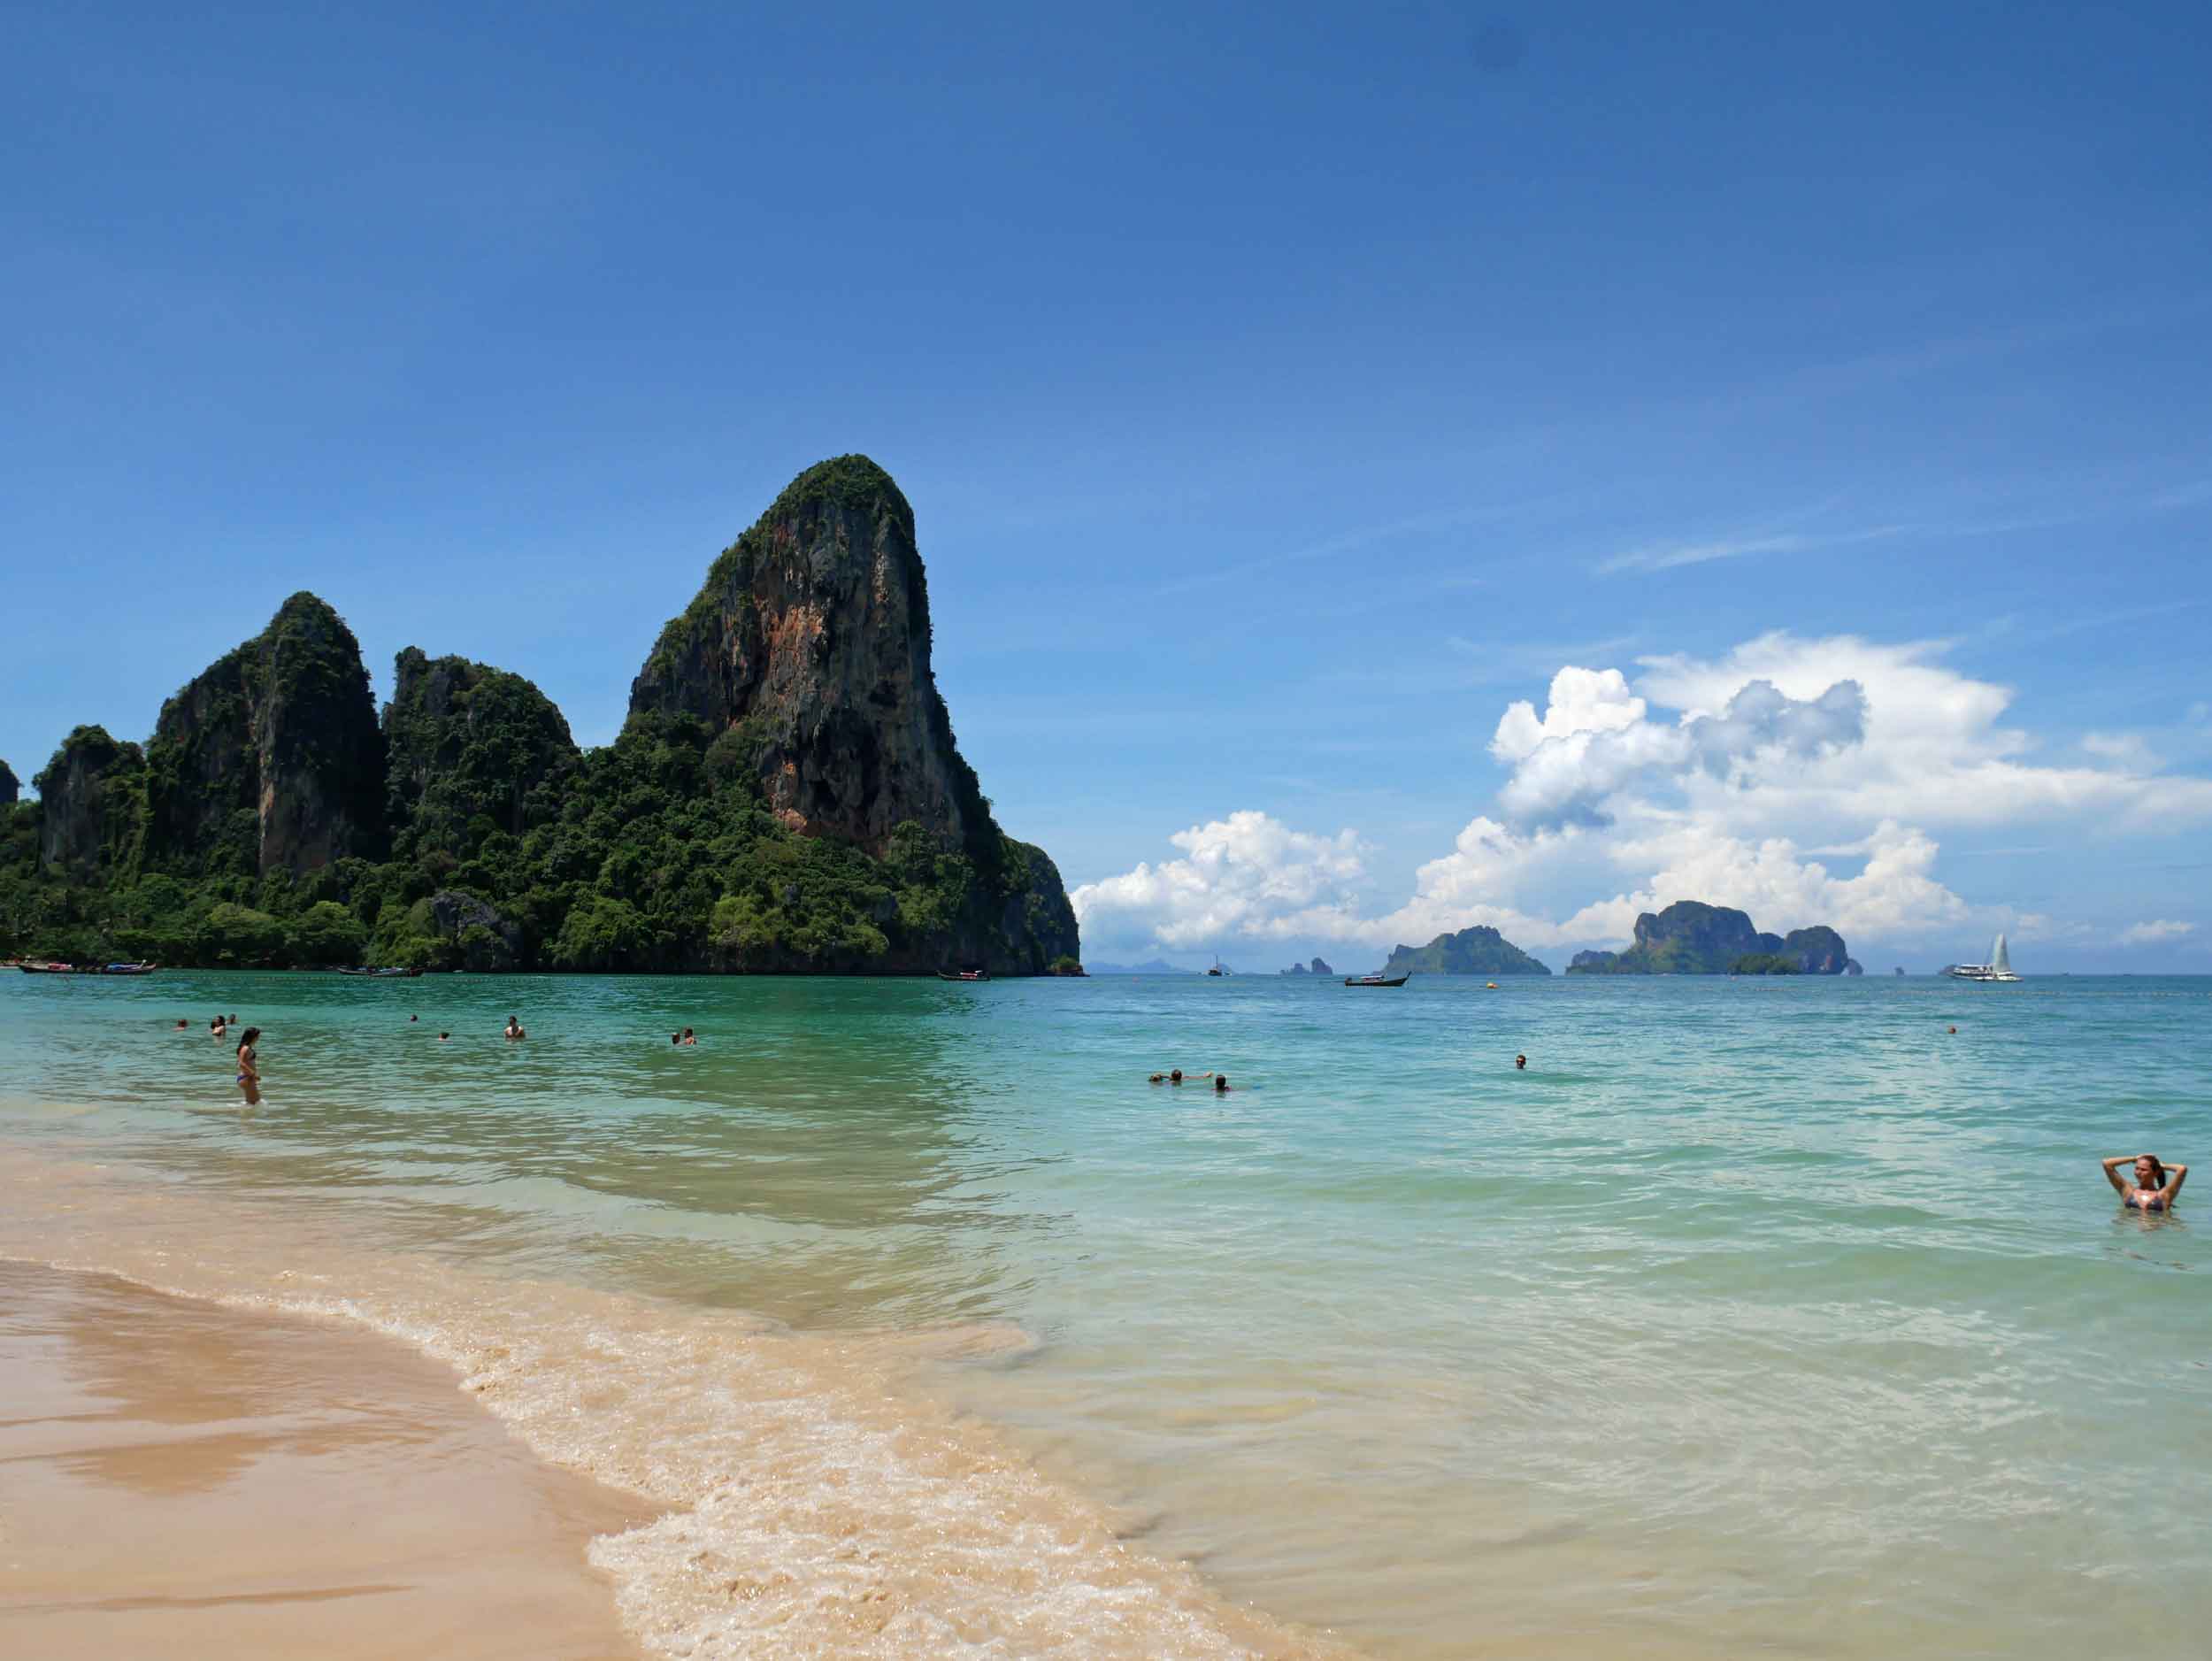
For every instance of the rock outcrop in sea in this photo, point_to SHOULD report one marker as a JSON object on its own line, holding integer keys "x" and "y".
{"x": 1480, "y": 950}
{"x": 1691, "y": 937}
{"x": 786, "y": 795}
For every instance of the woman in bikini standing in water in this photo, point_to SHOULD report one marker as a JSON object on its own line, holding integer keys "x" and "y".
{"x": 250, "y": 1066}
{"x": 2155, "y": 1186}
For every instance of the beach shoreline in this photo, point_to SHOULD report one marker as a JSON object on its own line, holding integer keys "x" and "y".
{"x": 191, "y": 1481}
{"x": 761, "y": 1492}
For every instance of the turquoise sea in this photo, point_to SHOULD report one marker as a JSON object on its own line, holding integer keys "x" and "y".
{"x": 1756, "y": 1315}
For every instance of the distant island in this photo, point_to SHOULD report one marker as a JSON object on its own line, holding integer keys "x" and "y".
{"x": 1477, "y": 951}
{"x": 1317, "y": 967}
{"x": 1691, "y": 937}
{"x": 784, "y": 797}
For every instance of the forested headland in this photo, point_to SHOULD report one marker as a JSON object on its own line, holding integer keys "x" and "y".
{"x": 786, "y": 795}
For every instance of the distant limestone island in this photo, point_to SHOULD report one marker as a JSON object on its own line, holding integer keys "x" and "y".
{"x": 1477, "y": 951}
{"x": 786, "y": 795}
{"x": 1316, "y": 967}
{"x": 1691, "y": 937}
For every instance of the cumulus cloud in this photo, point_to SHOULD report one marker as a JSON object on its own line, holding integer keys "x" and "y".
{"x": 1247, "y": 874}
{"x": 2157, "y": 933}
{"x": 1582, "y": 701}
{"x": 1894, "y": 894}
{"x": 1801, "y": 779}
{"x": 1761, "y": 718}
{"x": 1595, "y": 741}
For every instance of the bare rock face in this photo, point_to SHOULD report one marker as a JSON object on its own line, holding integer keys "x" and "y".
{"x": 488, "y": 942}
{"x": 271, "y": 758}
{"x": 11, "y": 787}
{"x": 811, "y": 643}
{"x": 91, "y": 804}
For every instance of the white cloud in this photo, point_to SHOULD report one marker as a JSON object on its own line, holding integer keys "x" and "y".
{"x": 1894, "y": 895}
{"x": 2155, "y": 934}
{"x": 1801, "y": 780}
{"x": 1247, "y": 874}
{"x": 2126, "y": 750}
{"x": 1582, "y": 701}
{"x": 1934, "y": 750}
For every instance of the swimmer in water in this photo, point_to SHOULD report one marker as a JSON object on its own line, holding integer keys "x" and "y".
{"x": 1520, "y": 1063}
{"x": 443, "y": 1036}
{"x": 689, "y": 1037}
{"x": 514, "y": 1030}
{"x": 181, "y": 1025}
{"x": 216, "y": 1026}
{"x": 250, "y": 1066}
{"x": 1221, "y": 1083}
{"x": 1175, "y": 1077}
{"x": 2155, "y": 1187}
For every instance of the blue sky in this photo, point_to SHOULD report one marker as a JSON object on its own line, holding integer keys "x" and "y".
{"x": 1284, "y": 394}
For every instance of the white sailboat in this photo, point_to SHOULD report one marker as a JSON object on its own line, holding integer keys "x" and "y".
{"x": 1998, "y": 968}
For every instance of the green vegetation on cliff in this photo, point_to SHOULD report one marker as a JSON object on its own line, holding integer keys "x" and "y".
{"x": 1477, "y": 951}
{"x": 1691, "y": 937}
{"x": 261, "y": 826}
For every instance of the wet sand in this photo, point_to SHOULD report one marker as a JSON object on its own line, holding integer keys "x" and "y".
{"x": 182, "y": 1480}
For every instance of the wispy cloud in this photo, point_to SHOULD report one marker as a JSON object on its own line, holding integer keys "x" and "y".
{"x": 1668, "y": 556}
{"x": 1364, "y": 536}
{"x": 1792, "y": 534}
{"x": 2158, "y": 932}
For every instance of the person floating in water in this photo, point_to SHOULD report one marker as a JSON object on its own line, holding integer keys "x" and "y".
{"x": 250, "y": 1066}
{"x": 1221, "y": 1084}
{"x": 514, "y": 1030}
{"x": 1174, "y": 1077}
{"x": 689, "y": 1036}
{"x": 2155, "y": 1187}
{"x": 1520, "y": 1063}
{"x": 217, "y": 1028}
{"x": 182, "y": 1024}
{"x": 443, "y": 1036}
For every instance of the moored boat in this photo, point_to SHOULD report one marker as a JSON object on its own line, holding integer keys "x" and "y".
{"x": 1377, "y": 979}
{"x": 383, "y": 974}
{"x": 130, "y": 968}
{"x": 48, "y": 968}
{"x": 1998, "y": 969}
{"x": 964, "y": 974}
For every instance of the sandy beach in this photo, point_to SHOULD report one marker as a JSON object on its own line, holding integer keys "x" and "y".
{"x": 187, "y": 1481}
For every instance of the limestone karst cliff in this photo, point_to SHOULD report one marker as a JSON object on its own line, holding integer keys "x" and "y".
{"x": 464, "y": 741}
{"x": 810, "y": 643}
{"x": 786, "y": 795}
{"x": 270, "y": 758}
{"x": 91, "y": 805}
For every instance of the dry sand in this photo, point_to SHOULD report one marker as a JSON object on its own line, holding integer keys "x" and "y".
{"x": 181, "y": 1480}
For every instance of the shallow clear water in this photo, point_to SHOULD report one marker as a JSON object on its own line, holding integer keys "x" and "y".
{"x": 1755, "y": 1314}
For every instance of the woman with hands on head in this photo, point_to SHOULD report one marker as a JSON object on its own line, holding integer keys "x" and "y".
{"x": 2155, "y": 1186}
